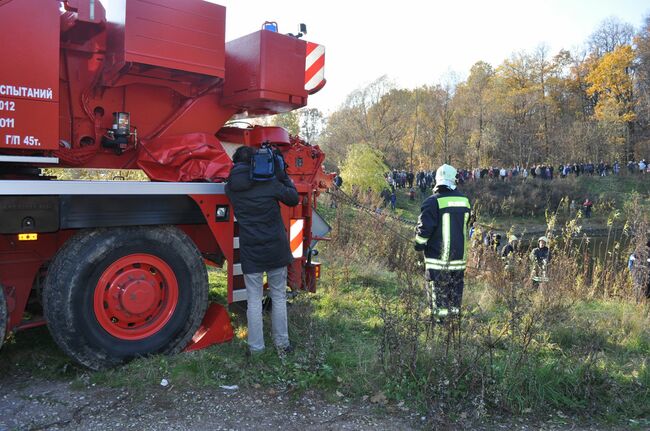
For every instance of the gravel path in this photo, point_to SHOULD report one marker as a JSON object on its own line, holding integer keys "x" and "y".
{"x": 41, "y": 405}
{"x": 38, "y": 405}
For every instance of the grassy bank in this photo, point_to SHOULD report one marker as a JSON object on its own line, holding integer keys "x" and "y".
{"x": 525, "y": 203}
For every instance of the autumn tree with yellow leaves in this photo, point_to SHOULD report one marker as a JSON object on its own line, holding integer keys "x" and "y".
{"x": 537, "y": 106}
{"x": 611, "y": 82}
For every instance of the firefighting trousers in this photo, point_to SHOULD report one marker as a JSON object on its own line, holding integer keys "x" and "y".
{"x": 445, "y": 289}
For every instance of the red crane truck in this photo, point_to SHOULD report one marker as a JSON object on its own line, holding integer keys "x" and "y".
{"x": 117, "y": 269}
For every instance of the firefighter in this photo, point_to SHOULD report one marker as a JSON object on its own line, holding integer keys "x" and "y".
{"x": 639, "y": 266}
{"x": 508, "y": 253}
{"x": 441, "y": 234}
{"x": 540, "y": 257}
{"x": 263, "y": 245}
{"x": 510, "y": 248}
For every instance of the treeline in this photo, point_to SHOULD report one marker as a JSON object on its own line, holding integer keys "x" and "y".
{"x": 535, "y": 107}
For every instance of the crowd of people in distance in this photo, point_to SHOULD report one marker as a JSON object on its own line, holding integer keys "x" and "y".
{"x": 549, "y": 172}
{"x": 424, "y": 179}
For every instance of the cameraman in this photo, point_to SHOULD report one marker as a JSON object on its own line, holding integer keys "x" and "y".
{"x": 264, "y": 244}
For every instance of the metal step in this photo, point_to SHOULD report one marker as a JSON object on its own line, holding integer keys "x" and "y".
{"x": 29, "y": 159}
{"x": 29, "y": 187}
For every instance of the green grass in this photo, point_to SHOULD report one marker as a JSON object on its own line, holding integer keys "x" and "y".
{"x": 602, "y": 349}
{"x": 33, "y": 352}
{"x": 609, "y": 193}
{"x": 218, "y": 280}
{"x": 410, "y": 210}
{"x": 616, "y": 186}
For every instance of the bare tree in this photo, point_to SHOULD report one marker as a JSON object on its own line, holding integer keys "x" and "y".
{"x": 611, "y": 34}
{"x": 447, "y": 125}
{"x": 472, "y": 99}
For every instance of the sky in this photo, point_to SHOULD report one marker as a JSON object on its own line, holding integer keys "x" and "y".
{"x": 425, "y": 42}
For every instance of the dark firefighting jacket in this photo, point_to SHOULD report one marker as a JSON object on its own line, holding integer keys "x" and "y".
{"x": 442, "y": 230}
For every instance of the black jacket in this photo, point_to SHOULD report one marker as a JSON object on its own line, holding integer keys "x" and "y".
{"x": 442, "y": 230}
{"x": 541, "y": 255}
{"x": 263, "y": 238}
{"x": 507, "y": 250}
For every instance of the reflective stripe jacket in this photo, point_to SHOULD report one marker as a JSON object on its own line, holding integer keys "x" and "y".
{"x": 442, "y": 230}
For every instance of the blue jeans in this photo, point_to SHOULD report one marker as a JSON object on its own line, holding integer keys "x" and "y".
{"x": 277, "y": 280}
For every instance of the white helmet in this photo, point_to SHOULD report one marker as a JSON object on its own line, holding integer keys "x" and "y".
{"x": 543, "y": 238}
{"x": 446, "y": 176}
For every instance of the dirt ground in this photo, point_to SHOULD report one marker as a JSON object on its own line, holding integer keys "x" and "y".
{"x": 34, "y": 404}
{"x": 31, "y": 404}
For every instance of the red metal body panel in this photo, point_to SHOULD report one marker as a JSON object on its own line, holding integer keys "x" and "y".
{"x": 265, "y": 73}
{"x": 254, "y": 136}
{"x": 186, "y": 35}
{"x": 20, "y": 262}
{"x": 223, "y": 231}
{"x": 163, "y": 61}
{"x": 29, "y": 75}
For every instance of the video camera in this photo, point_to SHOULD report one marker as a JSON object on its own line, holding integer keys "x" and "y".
{"x": 266, "y": 163}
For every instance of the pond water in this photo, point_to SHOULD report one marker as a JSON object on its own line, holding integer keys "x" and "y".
{"x": 597, "y": 244}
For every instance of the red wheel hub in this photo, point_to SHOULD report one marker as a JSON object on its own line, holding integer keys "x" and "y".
{"x": 135, "y": 296}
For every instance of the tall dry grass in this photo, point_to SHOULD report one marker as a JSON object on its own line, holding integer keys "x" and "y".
{"x": 503, "y": 353}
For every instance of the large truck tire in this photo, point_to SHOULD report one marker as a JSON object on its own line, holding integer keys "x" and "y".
{"x": 114, "y": 294}
{"x": 4, "y": 316}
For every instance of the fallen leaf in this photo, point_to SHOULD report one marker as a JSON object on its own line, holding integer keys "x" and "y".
{"x": 379, "y": 398}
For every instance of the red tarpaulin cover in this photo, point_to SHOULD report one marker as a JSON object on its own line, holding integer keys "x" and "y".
{"x": 191, "y": 157}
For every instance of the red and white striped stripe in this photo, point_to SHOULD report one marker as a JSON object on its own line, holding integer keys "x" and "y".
{"x": 296, "y": 237}
{"x": 314, "y": 67}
